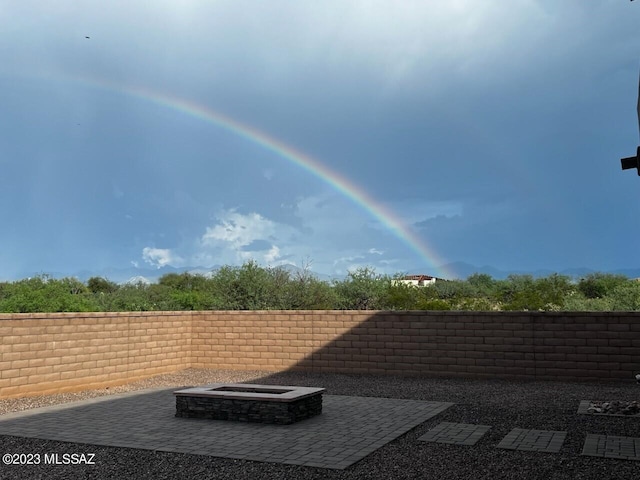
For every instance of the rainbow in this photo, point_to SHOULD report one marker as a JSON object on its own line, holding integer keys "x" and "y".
{"x": 350, "y": 190}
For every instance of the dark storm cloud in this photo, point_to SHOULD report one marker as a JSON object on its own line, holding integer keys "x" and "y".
{"x": 494, "y": 129}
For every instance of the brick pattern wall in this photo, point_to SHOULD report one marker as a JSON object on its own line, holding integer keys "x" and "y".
{"x": 266, "y": 340}
{"x": 540, "y": 345}
{"x": 48, "y": 353}
{"x": 44, "y": 353}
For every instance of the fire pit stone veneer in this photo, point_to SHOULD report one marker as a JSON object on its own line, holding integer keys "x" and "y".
{"x": 282, "y": 405}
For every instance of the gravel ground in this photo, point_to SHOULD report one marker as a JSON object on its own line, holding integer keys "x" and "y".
{"x": 502, "y": 404}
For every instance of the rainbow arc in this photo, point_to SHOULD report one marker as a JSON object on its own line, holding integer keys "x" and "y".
{"x": 356, "y": 194}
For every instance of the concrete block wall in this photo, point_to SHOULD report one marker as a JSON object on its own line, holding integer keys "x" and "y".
{"x": 50, "y": 353}
{"x": 46, "y": 353}
{"x": 266, "y": 340}
{"x": 522, "y": 345}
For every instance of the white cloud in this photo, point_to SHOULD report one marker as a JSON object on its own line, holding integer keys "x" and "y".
{"x": 238, "y": 237}
{"x": 334, "y": 248}
{"x": 160, "y": 257}
{"x": 238, "y": 230}
{"x": 272, "y": 255}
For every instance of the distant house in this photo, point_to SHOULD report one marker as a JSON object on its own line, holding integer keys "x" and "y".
{"x": 418, "y": 280}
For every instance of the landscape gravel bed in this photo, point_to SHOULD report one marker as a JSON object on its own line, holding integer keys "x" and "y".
{"x": 503, "y": 405}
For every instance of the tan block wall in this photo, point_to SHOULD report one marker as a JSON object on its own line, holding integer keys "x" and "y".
{"x": 524, "y": 345}
{"x": 265, "y": 340}
{"x": 47, "y": 353}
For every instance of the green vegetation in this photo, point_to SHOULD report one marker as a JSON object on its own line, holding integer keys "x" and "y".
{"x": 251, "y": 287}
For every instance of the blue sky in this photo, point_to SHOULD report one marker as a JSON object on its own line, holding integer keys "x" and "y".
{"x": 491, "y": 131}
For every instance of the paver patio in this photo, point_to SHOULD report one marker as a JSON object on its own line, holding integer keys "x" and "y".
{"x": 348, "y": 429}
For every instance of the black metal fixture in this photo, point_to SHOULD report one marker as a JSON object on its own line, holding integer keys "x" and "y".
{"x": 634, "y": 162}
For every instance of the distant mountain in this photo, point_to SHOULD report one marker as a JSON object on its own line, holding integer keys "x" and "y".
{"x": 629, "y": 272}
{"x": 579, "y": 272}
{"x": 462, "y": 270}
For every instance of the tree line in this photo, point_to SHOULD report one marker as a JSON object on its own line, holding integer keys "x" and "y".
{"x": 252, "y": 287}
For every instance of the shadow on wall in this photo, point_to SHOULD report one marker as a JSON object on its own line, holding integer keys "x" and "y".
{"x": 510, "y": 345}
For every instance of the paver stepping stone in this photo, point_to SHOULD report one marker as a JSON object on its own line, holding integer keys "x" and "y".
{"x": 610, "y": 446}
{"x": 455, "y": 433}
{"x": 533, "y": 440}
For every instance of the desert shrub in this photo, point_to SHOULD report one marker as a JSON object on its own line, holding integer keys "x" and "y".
{"x": 252, "y": 287}
{"x": 523, "y": 292}
{"x": 483, "y": 285}
{"x": 363, "y": 289}
{"x": 138, "y": 297}
{"x": 450, "y": 290}
{"x": 433, "y": 304}
{"x": 249, "y": 287}
{"x": 101, "y": 285}
{"x": 626, "y": 297}
{"x": 401, "y": 296}
{"x": 477, "y": 304}
{"x": 579, "y": 303}
{"x": 43, "y": 294}
{"x": 305, "y": 292}
{"x": 599, "y": 285}
{"x": 185, "y": 282}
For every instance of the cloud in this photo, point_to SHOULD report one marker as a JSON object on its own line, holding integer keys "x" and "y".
{"x": 272, "y": 255}
{"x": 481, "y": 211}
{"x": 372, "y": 257}
{"x": 387, "y": 43}
{"x": 462, "y": 117}
{"x": 236, "y": 237}
{"x": 237, "y": 230}
{"x": 349, "y": 263}
{"x": 160, "y": 257}
{"x": 257, "y": 246}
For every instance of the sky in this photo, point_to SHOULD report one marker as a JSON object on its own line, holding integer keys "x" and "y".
{"x": 397, "y": 135}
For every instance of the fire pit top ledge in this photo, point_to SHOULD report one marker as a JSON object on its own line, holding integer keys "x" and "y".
{"x": 250, "y": 391}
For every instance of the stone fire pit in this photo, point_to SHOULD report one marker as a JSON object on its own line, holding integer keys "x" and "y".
{"x": 282, "y": 405}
